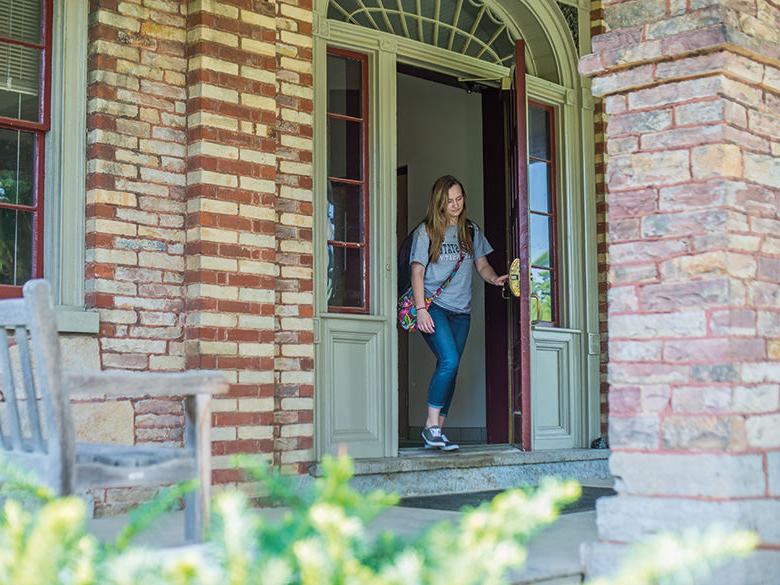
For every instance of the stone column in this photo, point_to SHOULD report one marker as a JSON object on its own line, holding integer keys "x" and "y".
{"x": 692, "y": 94}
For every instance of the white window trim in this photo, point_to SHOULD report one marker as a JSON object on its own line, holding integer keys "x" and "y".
{"x": 65, "y": 173}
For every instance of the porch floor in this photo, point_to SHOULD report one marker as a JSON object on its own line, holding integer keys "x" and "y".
{"x": 553, "y": 559}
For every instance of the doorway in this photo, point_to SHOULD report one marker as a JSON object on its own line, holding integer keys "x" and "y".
{"x": 359, "y": 70}
{"x": 439, "y": 131}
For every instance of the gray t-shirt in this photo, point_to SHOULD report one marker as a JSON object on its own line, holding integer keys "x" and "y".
{"x": 457, "y": 296}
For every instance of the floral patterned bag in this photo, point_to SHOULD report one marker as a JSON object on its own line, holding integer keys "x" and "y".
{"x": 407, "y": 312}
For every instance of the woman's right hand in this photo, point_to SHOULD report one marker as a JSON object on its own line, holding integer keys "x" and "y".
{"x": 425, "y": 321}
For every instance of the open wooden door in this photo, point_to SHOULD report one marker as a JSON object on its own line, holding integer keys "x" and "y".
{"x": 520, "y": 317}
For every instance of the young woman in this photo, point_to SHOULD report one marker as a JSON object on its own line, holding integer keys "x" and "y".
{"x": 445, "y": 238}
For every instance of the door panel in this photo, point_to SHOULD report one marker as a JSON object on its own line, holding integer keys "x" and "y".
{"x": 546, "y": 362}
{"x": 494, "y": 159}
{"x": 518, "y": 228}
{"x": 555, "y": 356}
{"x": 354, "y": 414}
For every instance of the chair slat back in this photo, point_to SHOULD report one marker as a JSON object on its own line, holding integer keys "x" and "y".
{"x": 32, "y": 402}
{"x": 9, "y": 392}
{"x": 37, "y": 384}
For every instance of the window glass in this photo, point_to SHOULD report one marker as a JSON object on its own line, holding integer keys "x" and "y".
{"x": 540, "y": 240}
{"x": 19, "y": 81}
{"x": 21, "y": 20}
{"x": 345, "y": 277}
{"x": 17, "y": 167}
{"x": 345, "y": 149}
{"x": 345, "y": 212}
{"x": 345, "y": 83}
{"x": 348, "y": 242}
{"x": 541, "y": 295}
{"x": 538, "y": 133}
{"x": 542, "y": 217}
{"x": 539, "y": 185}
{"x": 16, "y": 246}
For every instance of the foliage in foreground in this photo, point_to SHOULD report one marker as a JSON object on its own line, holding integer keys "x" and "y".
{"x": 321, "y": 539}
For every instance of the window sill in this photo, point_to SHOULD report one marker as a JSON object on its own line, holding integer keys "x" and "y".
{"x": 76, "y": 319}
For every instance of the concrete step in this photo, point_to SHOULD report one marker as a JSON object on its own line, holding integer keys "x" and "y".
{"x": 419, "y": 472}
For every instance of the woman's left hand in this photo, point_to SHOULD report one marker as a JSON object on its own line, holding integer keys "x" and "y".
{"x": 500, "y": 280}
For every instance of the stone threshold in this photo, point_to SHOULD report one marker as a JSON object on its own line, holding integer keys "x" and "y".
{"x": 468, "y": 457}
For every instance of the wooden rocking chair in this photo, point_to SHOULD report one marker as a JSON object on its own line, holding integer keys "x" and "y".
{"x": 37, "y": 430}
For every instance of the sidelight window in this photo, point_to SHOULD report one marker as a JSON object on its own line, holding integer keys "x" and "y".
{"x": 348, "y": 233}
{"x": 542, "y": 218}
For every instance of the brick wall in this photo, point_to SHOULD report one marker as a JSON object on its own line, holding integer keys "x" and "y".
{"x": 199, "y": 213}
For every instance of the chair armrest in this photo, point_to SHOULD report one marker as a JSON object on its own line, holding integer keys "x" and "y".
{"x": 117, "y": 383}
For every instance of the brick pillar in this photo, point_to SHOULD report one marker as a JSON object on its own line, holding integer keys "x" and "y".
{"x": 231, "y": 217}
{"x": 692, "y": 95}
{"x": 135, "y": 205}
{"x": 294, "y": 351}
{"x": 599, "y": 136}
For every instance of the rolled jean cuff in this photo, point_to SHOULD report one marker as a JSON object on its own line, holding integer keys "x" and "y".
{"x": 439, "y": 406}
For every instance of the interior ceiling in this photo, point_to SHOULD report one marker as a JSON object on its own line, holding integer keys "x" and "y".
{"x": 468, "y": 27}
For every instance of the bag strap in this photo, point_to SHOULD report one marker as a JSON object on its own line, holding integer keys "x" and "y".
{"x": 451, "y": 276}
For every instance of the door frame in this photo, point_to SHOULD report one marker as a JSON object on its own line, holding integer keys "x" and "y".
{"x": 575, "y": 188}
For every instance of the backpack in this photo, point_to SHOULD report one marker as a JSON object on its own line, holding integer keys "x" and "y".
{"x": 405, "y": 253}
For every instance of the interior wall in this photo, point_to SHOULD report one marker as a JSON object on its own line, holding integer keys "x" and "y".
{"x": 439, "y": 133}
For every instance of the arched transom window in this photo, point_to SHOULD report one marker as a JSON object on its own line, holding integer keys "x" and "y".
{"x": 469, "y": 27}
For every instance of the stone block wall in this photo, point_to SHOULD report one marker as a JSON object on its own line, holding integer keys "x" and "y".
{"x": 692, "y": 96}
{"x": 199, "y": 213}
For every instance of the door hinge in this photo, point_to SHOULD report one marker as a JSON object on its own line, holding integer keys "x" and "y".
{"x": 316, "y": 327}
{"x": 594, "y": 344}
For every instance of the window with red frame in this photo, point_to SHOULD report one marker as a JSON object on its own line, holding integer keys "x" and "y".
{"x": 542, "y": 214}
{"x": 25, "y": 73}
{"x": 348, "y": 234}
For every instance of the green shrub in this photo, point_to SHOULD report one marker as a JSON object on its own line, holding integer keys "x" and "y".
{"x": 320, "y": 540}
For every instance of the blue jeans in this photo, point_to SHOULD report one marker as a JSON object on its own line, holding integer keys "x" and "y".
{"x": 446, "y": 342}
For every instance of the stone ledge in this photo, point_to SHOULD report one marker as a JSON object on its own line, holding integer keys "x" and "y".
{"x": 413, "y": 460}
{"x": 622, "y": 49}
{"x": 76, "y": 320}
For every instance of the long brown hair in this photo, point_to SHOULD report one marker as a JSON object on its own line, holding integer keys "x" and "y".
{"x": 437, "y": 221}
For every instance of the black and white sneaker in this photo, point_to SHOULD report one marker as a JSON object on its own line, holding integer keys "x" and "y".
{"x": 433, "y": 437}
{"x": 448, "y": 445}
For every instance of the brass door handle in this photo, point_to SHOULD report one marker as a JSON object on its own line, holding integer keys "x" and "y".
{"x": 514, "y": 277}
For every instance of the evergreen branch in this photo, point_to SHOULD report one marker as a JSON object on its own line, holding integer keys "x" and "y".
{"x": 19, "y": 481}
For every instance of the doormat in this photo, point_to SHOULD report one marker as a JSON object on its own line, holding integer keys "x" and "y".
{"x": 454, "y": 502}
